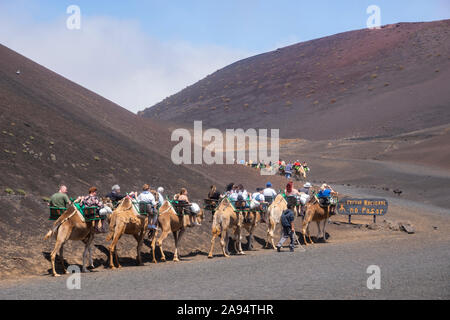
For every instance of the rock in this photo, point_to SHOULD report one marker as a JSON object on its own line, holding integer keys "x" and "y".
{"x": 373, "y": 226}
{"x": 435, "y": 228}
{"x": 407, "y": 227}
{"x": 53, "y": 157}
{"x": 392, "y": 225}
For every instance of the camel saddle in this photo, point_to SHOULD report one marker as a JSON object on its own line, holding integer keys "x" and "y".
{"x": 210, "y": 204}
{"x": 181, "y": 207}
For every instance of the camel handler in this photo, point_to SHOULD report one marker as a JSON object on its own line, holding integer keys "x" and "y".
{"x": 60, "y": 199}
{"x": 287, "y": 222}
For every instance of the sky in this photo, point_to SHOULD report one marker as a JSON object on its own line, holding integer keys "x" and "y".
{"x": 136, "y": 53}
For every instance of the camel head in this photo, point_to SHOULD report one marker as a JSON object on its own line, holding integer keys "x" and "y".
{"x": 108, "y": 202}
{"x": 200, "y": 216}
{"x": 126, "y": 204}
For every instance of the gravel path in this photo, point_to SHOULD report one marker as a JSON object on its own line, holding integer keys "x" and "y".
{"x": 412, "y": 267}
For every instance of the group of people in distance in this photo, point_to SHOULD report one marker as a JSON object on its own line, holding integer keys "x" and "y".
{"x": 61, "y": 200}
{"x": 288, "y": 168}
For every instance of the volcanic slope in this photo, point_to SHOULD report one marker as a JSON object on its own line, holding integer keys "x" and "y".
{"x": 363, "y": 83}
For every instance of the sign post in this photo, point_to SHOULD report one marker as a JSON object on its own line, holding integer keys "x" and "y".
{"x": 363, "y": 207}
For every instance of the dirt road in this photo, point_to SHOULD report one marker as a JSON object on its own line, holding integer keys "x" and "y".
{"x": 416, "y": 269}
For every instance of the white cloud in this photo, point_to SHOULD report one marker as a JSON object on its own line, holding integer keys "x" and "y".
{"x": 115, "y": 58}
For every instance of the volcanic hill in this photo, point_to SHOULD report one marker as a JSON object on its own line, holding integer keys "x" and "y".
{"x": 364, "y": 83}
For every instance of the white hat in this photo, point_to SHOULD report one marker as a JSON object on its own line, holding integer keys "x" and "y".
{"x": 307, "y": 185}
{"x": 160, "y": 189}
{"x": 115, "y": 187}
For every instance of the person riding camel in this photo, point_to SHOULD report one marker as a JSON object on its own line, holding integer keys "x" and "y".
{"x": 269, "y": 193}
{"x": 288, "y": 170}
{"x": 292, "y": 195}
{"x": 233, "y": 195}
{"x": 213, "y": 197}
{"x": 60, "y": 199}
{"x": 324, "y": 197}
{"x": 115, "y": 195}
{"x": 183, "y": 198}
{"x": 305, "y": 195}
{"x": 241, "y": 200}
{"x": 258, "y": 196}
{"x": 213, "y": 194}
{"x": 92, "y": 200}
{"x": 290, "y": 191}
{"x": 147, "y": 203}
{"x": 160, "y": 196}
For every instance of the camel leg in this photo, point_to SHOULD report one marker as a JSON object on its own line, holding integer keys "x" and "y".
{"x": 119, "y": 230}
{"x": 270, "y": 231}
{"x": 272, "y": 237}
{"x": 87, "y": 250}
{"x": 324, "y": 232}
{"x": 61, "y": 258}
{"x": 61, "y": 237}
{"x": 180, "y": 234}
{"x": 163, "y": 236}
{"x": 175, "y": 252}
{"x": 58, "y": 245}
{"x": 305, "y": 231}
{"x": 319, "y": 231}
{"x": 309, "y": 235}
{"x": 238, "y": 243}
{"x": 139, "y": 239}
{"x": 250, "y": 238}
{"x": 213, "y": 240}
{"x": 154, "y": 246}
{"x": 91, "y": 262}
{"x": 224, "y": 239}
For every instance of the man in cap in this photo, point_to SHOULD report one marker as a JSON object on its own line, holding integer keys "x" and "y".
{"x": 269, "y": 193}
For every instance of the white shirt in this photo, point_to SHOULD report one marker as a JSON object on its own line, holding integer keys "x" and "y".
{"x": 258, "y": 197}
{"x": 148, "y": 197}
{"x": 233, "y": 196}
{"x": 244, "y": 194}
{"x": 269, "y": 192}
{"x": 160, "y": 198}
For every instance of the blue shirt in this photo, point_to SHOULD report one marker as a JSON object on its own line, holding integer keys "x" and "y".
{"x": 324, "y": 193}
{"x": 286, "y": 218}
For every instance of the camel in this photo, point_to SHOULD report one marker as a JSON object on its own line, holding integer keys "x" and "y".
{"x": 169, "y": 221}
{"x": 126, "y": 220}
{"x": 253, "y": 218}
{"x": 274, "y": 213}
{"x": 71, "y": 225}
{"x": 299, "y": 173}
{"x": 314, "y": 212}
{"x": 226, "y": 220}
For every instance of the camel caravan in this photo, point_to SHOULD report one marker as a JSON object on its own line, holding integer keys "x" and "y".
{"x": 234, "y": 213}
